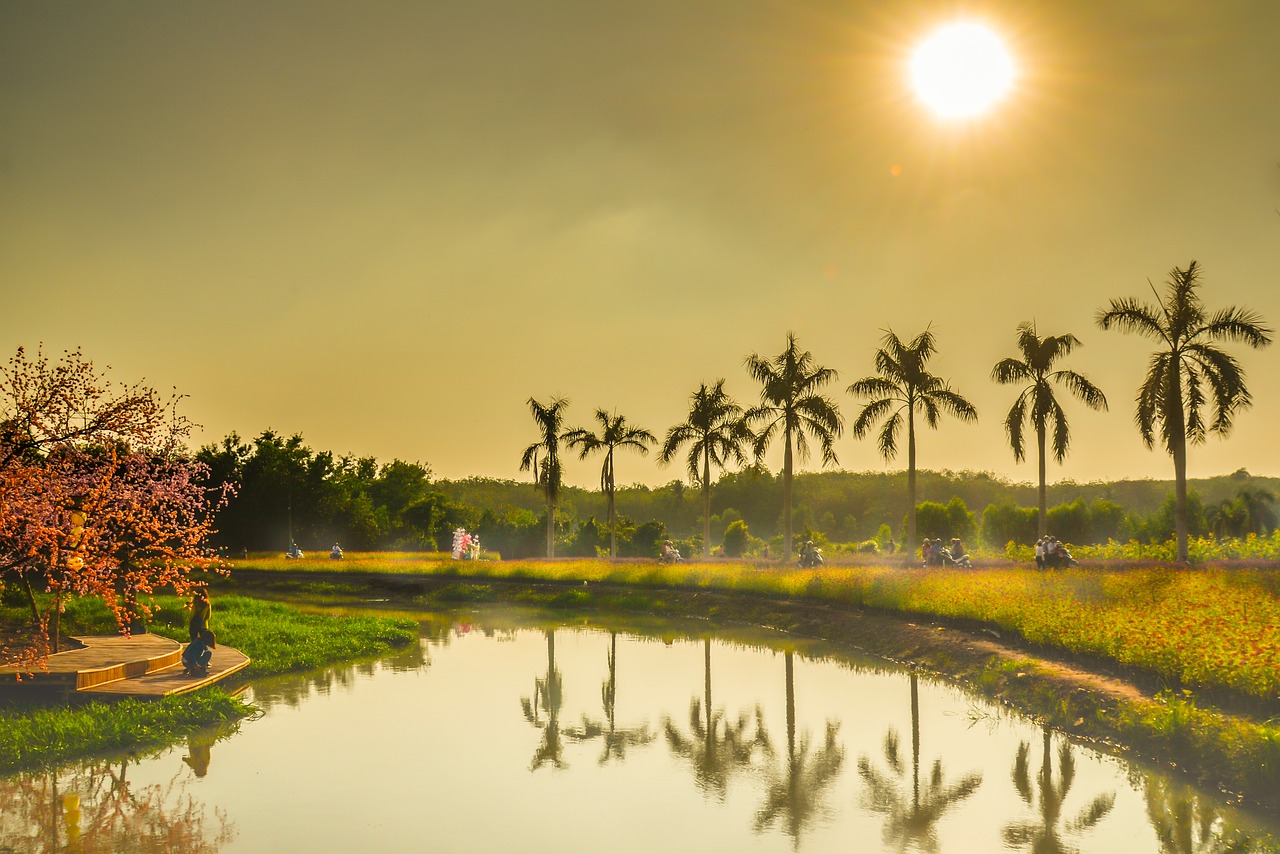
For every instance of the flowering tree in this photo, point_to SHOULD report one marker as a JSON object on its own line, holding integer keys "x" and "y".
{"x": 98, "y": 496}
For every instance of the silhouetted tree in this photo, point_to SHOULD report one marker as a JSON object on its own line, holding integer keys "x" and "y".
{"x": 1187, "y": 372}
{"x": 614, "y": 433}
{"x": 715, "y": 433}
{"x": 904, "y": 385}
{"x": 791, "y": 406}
{"x": 1043, "y": 836}
{"x": 1037, "y": 403}
{"x": 548, "y": 475}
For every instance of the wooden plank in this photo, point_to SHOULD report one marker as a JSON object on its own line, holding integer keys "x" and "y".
{"x": 172, "y": 680}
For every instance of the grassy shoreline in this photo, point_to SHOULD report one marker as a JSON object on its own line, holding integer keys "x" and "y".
{"x": 278, "y": 638}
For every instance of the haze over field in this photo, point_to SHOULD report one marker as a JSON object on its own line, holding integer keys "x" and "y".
{"x": 387, "y": 225}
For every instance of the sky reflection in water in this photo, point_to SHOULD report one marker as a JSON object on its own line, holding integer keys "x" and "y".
{"x": 582, "y": 739}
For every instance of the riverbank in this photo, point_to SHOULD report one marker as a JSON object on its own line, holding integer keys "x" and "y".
{"x": 278, "y": 638}
{"x": 1232, "y": 746}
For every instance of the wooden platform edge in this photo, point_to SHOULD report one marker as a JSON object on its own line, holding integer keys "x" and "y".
{"x": 210, "y": 679}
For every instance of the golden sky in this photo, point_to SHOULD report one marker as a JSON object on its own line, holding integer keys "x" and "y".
{"x": 386, "y": 225}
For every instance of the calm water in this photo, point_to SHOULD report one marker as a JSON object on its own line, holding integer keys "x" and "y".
{"x": 496, "y": 736}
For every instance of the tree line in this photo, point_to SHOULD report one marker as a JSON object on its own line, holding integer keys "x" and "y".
{"x": 1192, "y": 387}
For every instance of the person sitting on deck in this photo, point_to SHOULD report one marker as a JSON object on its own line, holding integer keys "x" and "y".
{"x": 195, "y": 659}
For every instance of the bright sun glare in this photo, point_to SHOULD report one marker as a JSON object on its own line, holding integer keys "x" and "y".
{"x": 961, "y": 70}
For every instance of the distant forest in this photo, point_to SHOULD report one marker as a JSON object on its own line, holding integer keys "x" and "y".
{"x": 283, "y": 487}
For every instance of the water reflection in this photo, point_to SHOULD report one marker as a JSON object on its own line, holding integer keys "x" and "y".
{"x": 716, "y": 747}
{"x": 912, "y": 821}
{"x": 616, "y": 740}
{"x": 1042, "y": 836}
{"x": 795, "y": 795}
{"x": 543, "y": 711}
{"x": 96, "y": 808}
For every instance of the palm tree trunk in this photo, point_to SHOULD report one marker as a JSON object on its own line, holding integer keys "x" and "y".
{"x": 1178, "y": 449}
{"x": 915, "y": 743}
{"x": 786, "y": 502}
{"x": 706, "y": 671}
{"x": 1043, "y": 527}
{"x": 910, "y": 545}
{"x": 706, "y": 504}
{"x": 613, "y": 519}
{"x": 551, "y": 527}
{"x": 791, "y": 713}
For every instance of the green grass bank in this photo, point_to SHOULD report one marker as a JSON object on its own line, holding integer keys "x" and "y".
{"x": 278, "y": 638}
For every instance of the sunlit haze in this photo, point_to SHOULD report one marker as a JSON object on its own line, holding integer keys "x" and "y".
{"x": 387, "y": 225}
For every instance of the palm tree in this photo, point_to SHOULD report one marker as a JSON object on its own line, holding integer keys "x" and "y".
{"x": 904, "y": 385}
{"x": 790, "y": 404}
{"x": 795, "y": 794}
{"x": 547, "y": 477}
{"x": 912, "y": 822}
{"x": 614, "y": 433}
{"x": 1187, "y": 372}
{"x": 1043, "y": 836}
{"x": 715, "y": 432}
{"x": 1037, "y": 401}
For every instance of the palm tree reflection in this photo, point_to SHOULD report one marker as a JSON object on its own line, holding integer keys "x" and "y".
{"x": 716, "y": 747}
{"x": 543, "y": 711}
{"x": 1186, "y": 822}
{"x": 795, "y": 793}
{"x": 912, "y": 823}
{"x": 616, "y": 741}
{"x": 1042, "y": 836}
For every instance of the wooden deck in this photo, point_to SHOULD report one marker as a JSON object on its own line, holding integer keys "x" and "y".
{"x": 145, "y": 666}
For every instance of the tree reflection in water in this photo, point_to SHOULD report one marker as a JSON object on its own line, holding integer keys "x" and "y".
{"x": 1042, "y": 836}
{"x": 795, "y": 791}
{"x": 95, "y": 808}
{"x": 547, "y": 700}
{"x": 616, "y": 741}
{"x": 716, "y": 747}
{"x": 912, "y": 823}
{"x": 1186, "y": 823}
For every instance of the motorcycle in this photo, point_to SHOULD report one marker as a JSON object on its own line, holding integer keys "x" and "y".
{"x": 812, "y": 558}
{"x": 670, "y": 556}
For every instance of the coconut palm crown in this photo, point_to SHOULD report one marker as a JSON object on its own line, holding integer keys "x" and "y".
{"x": 1187, "y": 374}
{"x": 903, "y": 387}
{"x": 792, "y": 407}
{"x": 715, "y": 434}
{"x": 1037, "y": 402}
{"x": 547, "y": 476}
{"x": 614, "y": 433}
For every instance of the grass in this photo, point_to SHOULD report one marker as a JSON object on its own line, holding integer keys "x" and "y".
{"x": 278, "y": 638}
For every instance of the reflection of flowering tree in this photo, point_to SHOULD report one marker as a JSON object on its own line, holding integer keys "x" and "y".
{"x": 715, "y": 745}
{"x": 616, "y": 741}
{"x": 546, "y": 701}
{"x": 912, "y": 823}
{"x": 96, "y": 809}
{"x": 795, "y": 794}
{"x": 1042, "y": 836}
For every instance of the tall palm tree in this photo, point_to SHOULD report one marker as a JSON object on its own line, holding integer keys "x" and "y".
{"x": 1187, "y": 372}
{"x": 1037, "y": 402}
{"x": 547, "y": 476}
{"x": 614, "y": 433}
{"x": 903, "y": 387}
{"x": 715, "y": 433}
{"x": 791, "y": 405}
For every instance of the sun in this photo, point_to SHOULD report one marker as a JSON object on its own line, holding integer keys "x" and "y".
{"x": 961, "y": 70}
